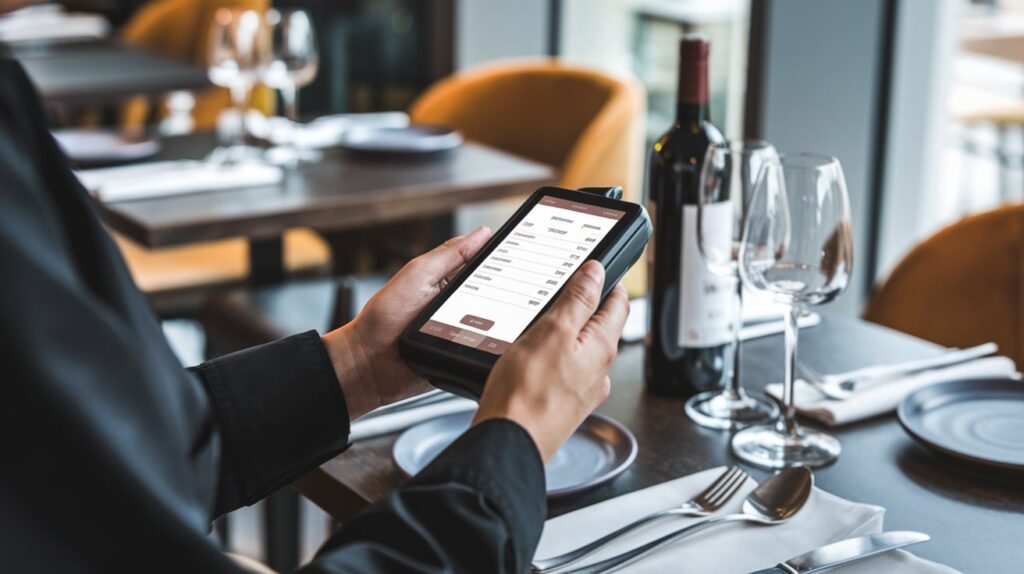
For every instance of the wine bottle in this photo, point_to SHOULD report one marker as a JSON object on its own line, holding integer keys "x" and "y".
{"x": 688, "y": 318}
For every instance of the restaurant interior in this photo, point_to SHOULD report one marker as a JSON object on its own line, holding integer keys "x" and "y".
{"x": 266, "y": 166}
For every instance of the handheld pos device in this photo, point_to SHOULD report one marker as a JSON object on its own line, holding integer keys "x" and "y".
{"x": 457, "y": 338}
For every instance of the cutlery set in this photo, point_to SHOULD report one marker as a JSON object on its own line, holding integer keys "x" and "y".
{"x": 841, "y": 386}
{"x": 773, "y": 502}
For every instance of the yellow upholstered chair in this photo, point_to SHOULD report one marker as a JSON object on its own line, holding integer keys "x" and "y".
{"x": 963, "y": 286}
{"x": 181, "y": 29}
{"x": 587, "y": 124}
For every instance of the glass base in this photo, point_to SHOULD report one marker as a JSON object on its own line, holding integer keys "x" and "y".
{"x": 768, "y": 447}
{"x": 723, "y": 410}
{"x": 292, "y": 156}
{"x": 235, "y": 154}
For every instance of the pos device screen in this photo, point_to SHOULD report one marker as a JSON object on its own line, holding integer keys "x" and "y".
{"x": 503, "y": 294}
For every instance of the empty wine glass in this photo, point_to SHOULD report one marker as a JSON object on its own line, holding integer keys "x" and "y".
{"x": 293, "y": 65}
{"x": 797, "y": 248}
{"x": 726, "y": 184}
{"x": 238, "y": 54}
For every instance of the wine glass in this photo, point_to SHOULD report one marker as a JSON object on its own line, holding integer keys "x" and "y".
{"x": 726, "y": 183}
{"x": 237, "y": 55}
{"x": 293, "y": 64}
{"x": 797, "y": 248}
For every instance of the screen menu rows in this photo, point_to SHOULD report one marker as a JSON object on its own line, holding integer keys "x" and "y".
{"x": 503, "y": 294}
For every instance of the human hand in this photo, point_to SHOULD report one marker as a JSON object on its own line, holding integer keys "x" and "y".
{"x": 556, "y": 373}
{"x": 365, "y": 351}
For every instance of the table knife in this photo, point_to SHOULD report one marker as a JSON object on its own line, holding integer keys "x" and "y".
{"x": 848, "y": 550}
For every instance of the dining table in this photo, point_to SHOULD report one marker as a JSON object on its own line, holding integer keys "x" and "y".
{"x": 103, "y": 71}
{"x": 975, "y": 516}
{"x": 340, "y": 192}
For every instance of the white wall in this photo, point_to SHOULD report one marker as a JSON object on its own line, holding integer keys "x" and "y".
{"x": 487, "y": 30}
{"x": 925, "y": 44}
{"x": 819, "y": 95}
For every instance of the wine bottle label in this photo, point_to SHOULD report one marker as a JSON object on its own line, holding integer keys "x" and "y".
{"x": 706, "y": 300}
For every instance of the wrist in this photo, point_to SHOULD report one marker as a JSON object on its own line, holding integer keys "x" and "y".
{"x": 532, "y": 418}
{"x": 354, "y": 370}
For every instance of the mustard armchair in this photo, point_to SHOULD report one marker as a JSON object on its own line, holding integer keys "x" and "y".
{"x": 961, "y": 287}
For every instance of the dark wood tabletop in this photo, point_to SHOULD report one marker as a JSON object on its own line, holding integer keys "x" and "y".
{"x": 976, "y": 519}
{"x": 103, "y": 71}
{"x": 339, "y": 192}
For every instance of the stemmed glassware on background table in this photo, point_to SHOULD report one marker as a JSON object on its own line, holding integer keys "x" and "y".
{"x": 238, "y": 55}
{"x": 726, "y": 184}
{"x": 797, "y": 248}
{"x": 293, "y": 64}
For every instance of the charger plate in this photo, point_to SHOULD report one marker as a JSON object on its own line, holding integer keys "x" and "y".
{"x": 597, "y": 452}
{"x": 978, "y": 420}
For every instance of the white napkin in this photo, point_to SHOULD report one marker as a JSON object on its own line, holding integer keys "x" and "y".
{"x": 385, "y": 424}
{"x": 164, "y": 178}
{"x": 49, "y": 22}
{"x": 761, "y": 318}
{"x": 730, "y": 548}
{"x": 871, "y": 399}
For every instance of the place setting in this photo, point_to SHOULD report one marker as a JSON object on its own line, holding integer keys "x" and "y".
{"x": 276, "y": 49}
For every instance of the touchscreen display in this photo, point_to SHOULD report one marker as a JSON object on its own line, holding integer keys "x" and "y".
{"x": 496, "y": 303}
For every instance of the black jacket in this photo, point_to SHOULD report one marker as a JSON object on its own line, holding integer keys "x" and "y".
{"x": 115, "y": 458}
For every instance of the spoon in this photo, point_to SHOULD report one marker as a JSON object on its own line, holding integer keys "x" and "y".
{"x": 774, "y": 501}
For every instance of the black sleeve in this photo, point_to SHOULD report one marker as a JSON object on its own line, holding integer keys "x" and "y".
{"x": 479, "y": 507}
{"x": 280, "y": 412}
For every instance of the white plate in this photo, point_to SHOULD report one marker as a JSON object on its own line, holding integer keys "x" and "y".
{"x": 99, "y": 146}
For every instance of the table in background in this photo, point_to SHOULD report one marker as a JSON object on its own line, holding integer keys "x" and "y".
{"x": 340, "y": 192}
{"x": 976, "y": 521}
{"x": 103, "y": 72}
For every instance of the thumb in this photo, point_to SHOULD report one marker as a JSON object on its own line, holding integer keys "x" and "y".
{"x": 579, "y": 298}
{"x": 440, "y": 262}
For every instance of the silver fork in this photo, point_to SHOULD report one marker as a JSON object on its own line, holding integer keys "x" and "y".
{"x": 705, "y": 503}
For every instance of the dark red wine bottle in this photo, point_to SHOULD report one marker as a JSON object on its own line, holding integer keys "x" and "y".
{"x": 687, "y": 343}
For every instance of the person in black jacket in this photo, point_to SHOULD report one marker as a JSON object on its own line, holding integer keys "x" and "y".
{"x": 116, "y": 459}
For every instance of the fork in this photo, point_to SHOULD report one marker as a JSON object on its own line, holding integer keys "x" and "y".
{"x": 711, "y": 499}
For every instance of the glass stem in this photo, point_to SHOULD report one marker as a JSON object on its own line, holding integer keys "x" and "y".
{"x": 238, "y": 95}
{"x": 788, "y": 387}
{"x": 290, "y": 97}
{"x": 734, "y": 389}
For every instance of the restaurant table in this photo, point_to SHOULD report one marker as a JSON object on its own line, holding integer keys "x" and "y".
{"x": 975, "y": 519}
{"x": 338, "y": 193}
{"x": 103, "y": 71}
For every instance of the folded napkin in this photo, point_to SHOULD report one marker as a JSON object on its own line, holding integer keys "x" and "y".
{"x": 730, "y": 548}
{"x": 761, "y": 318}
{"x": 363, "y": 429}
{"x": 877, "y": 398}
{"x": 162, "y": 178}
{"x": 49, "y": 22}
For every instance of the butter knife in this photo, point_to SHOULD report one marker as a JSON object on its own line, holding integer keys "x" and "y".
{"x": 848, "y": 550}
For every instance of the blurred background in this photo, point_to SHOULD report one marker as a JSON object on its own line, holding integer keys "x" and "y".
{"x": 921, "y": 100}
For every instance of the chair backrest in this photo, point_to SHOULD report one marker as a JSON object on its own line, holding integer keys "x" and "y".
{"x": 963, "y": 286}
{"x": 180, "y": 29}
{"x": 585, "y": 123}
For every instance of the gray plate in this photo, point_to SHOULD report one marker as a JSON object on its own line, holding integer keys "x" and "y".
{"x": 411, "y": 140}
{"x": 597, "y": 452}
{"x": 980, "y": 420}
